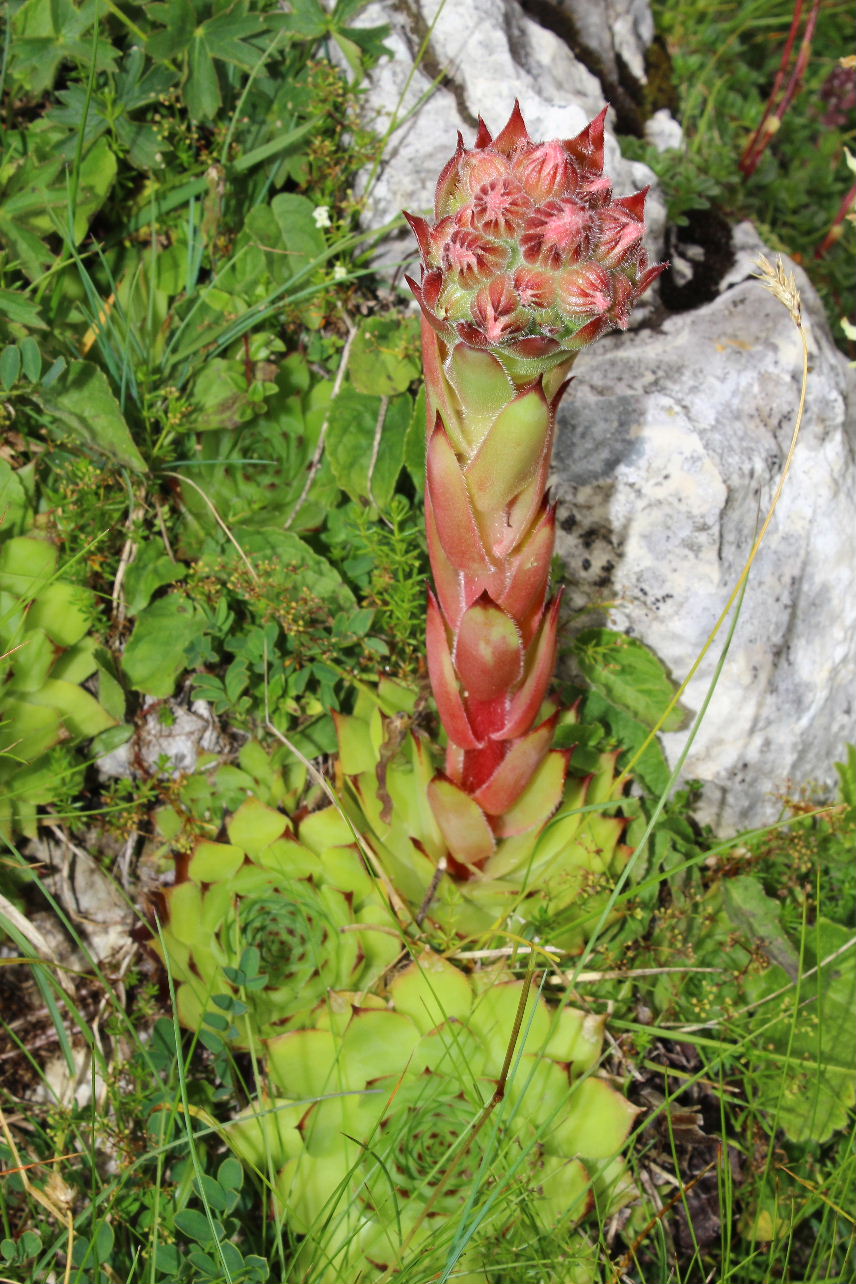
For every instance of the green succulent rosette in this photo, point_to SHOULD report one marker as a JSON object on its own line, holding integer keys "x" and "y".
{"x": 46, "y": 654}
{"x": 262, "y": 926}
{"x": 379, "y": 1147}
{"x": 554, "y": 878}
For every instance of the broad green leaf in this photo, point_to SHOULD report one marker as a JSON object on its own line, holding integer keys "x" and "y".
{"x": 151, "y": 569}
{"x": 287, "y": 233}
{"x": 18, "y": 307}
{"x": 758, "y": 916}
{"x": 629, "y": 675}
{"x": 10, "y": 366}
{"x": 81, "y": 713}
{"x": 31, "y": 359}
{"x": 808, "y": 1089}
{"x": 157, "y": 650}
{"x": 82, "y": 403}
{"x": 64, "y": 610}
{"x": 14, "y": 507}
{"x": 365, "y": 444}
{"x": 385, "y": 356}
{"x": 305, "y": 568}
{"x": 652, "y": 768}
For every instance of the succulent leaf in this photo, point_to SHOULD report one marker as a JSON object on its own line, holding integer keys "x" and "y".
{"x": 307, "y": 912}
{"x": 374, "y": 1131}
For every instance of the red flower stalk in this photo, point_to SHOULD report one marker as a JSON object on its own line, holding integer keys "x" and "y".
{"x": 530, "y": 258}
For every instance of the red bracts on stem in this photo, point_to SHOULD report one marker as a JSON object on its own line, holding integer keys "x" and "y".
{"x": 529, "y": 259}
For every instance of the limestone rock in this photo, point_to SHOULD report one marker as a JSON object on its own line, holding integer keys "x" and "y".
{"x": 671, "y": 444}
{"x": 618, "y": 32}
{"x": 473, "y": 60}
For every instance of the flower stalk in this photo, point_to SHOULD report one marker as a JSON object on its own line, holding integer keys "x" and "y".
{"x": 529, "y": 260}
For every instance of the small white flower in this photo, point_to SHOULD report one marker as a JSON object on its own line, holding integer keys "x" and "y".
{"x": 339, "y": 271}
{"x": 321, "y": 214}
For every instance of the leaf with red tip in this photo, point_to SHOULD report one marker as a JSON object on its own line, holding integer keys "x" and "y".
{"x": 635, "y": 202}
{"x": 587, "y": 147}
{"x": 648, "y": 277}
{"x": 447, "y": 580}
{"x": 513, "y": 133}
{"x": 484, "y": 137}
{"x": 499, "y": 794}
{"x": 444, "y": 682}
{"x": 421, "y": 229}
{"x": 462, "y": 822}
{"x": 488, "y": 652}
{"x": 510, "y": 454}
{"x": 526, "y": 589}
{"x": 423, "y": 294}
{"x": 545, "y": 170}
{"x": 449, "y": 194}
{"x": 450, "y": 498}
{"x": 528, "y": 700}
{"x": 540, "y": 799}
{"x": 497, "y": 311}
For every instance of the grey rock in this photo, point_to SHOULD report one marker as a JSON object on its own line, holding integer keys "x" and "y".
{"x": 165, "y": 733}
{"x": 663, "y": 131}
{"x": 485, "y": 53}
{"x": 672, "y": 441}
{"x": 618, "y": 32}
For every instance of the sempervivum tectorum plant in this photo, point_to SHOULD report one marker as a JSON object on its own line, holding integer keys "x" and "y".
{"x": 530, "y": 258}
{"x": 258, "y": 928}
{"x": 551, "y": 876}
{"x": 374, "y": 1140}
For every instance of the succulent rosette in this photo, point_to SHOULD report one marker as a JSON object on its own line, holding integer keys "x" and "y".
{"x": 374, "y": 1130}
{"x": 530, "y": 258}
{"x": 552, "y": 876}
{"x": 261, "y": 926}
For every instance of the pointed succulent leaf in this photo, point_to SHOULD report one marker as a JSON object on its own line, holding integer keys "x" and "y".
{"x": 539, "y": 1087}
{"x": 430, "y": 990}
{"x": 254, "y": 826}
{"x": 449, "y": 582}
{"x": 482, "y": 388}
{"x": 597, "y": 1122}
{"x": 303, "y": 1064}
{"x": 527, "y": 700}
{"x": 565, "y": 1195}
{"x": 576, "y": 1037}
{"x": 450, "y": 501}
{"x": 265, "y": 1134}
{"x": 528, "y": 575}
{"x": 444, "y": 681}
{"x": 211, "y": 862}
{"x": 488, "y": 652}
{"x": 513, "y": 775}
{"x": 509, "y": 455}
{"x": 494, "y": 1015}
{"x": 326, "y": 827}
{"x": 462, "y": 822}
{"x": 375, "y": 1043}
{"x": 538, "y": 800}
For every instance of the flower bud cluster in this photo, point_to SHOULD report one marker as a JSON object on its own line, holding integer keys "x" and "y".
{"x": 530, "y": 252}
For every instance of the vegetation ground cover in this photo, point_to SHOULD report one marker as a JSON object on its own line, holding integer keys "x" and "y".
{"x": 211, "y": 489}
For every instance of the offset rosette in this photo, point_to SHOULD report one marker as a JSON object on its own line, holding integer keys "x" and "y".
{"x": 530, "y": 258}
{"x": 374, "y": 1136}
{"x": 258, "y": 929}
